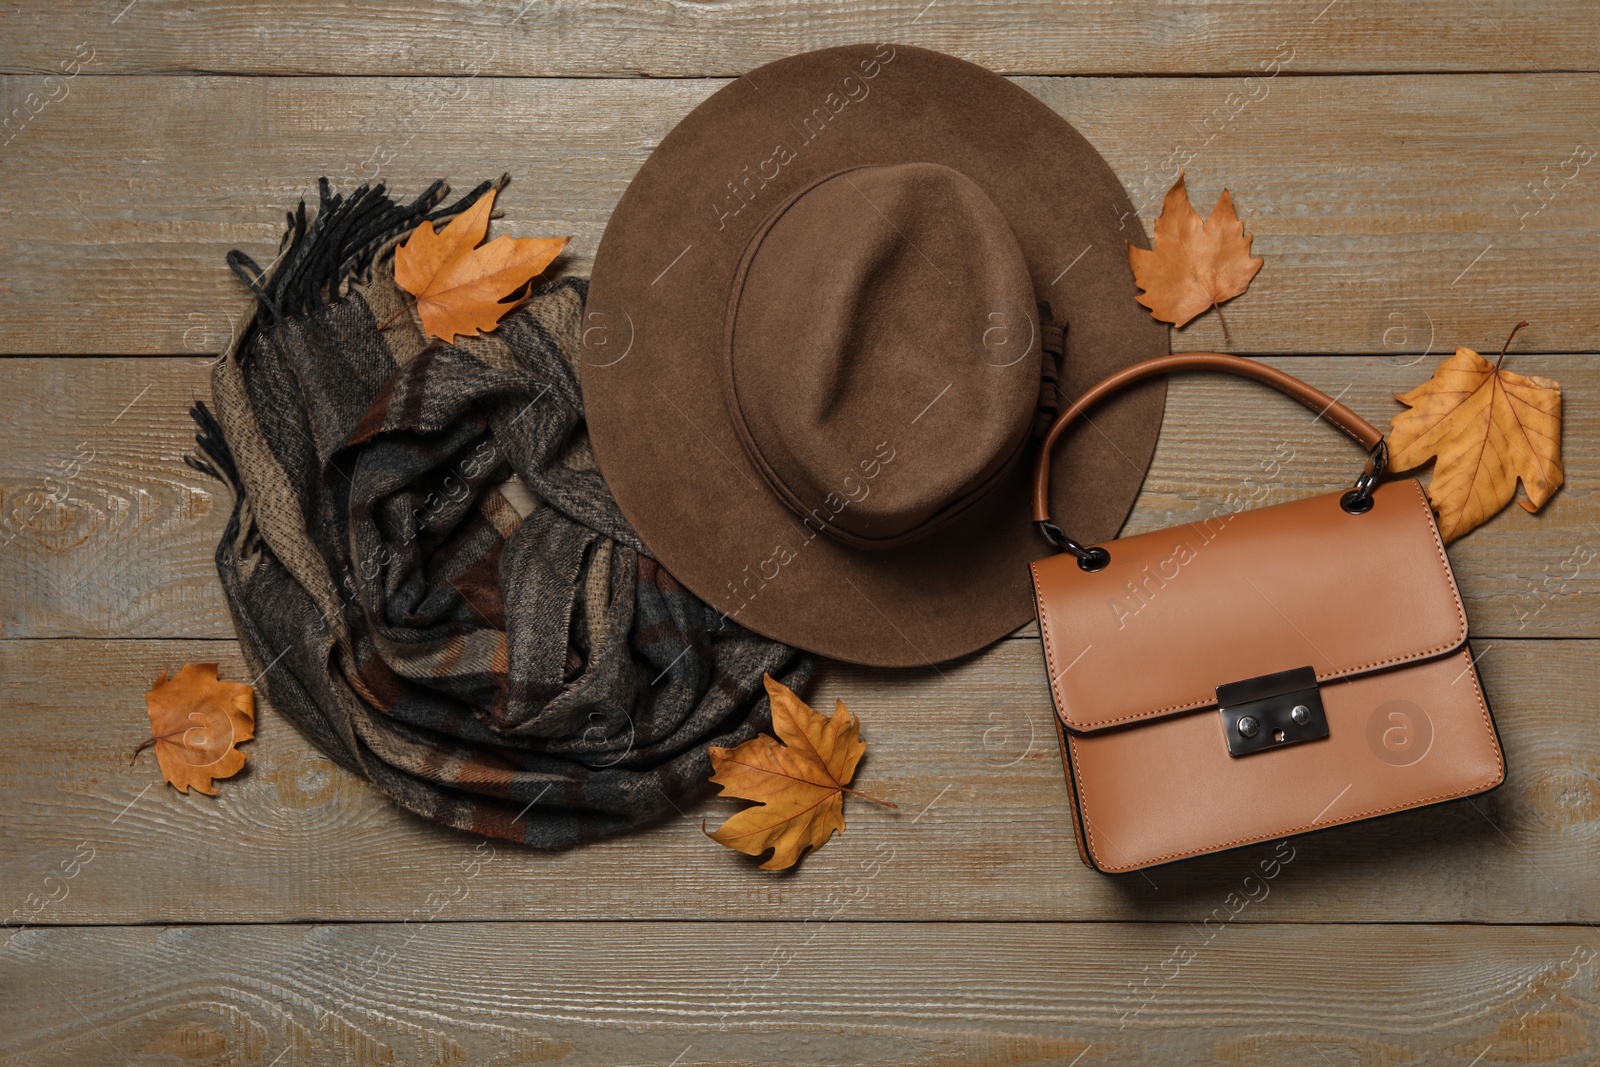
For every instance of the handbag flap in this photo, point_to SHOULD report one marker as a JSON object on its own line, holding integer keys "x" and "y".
{"x": 1180, "y": 611}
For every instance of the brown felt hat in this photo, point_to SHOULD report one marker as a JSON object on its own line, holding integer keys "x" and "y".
{"x": 826, "y": 322}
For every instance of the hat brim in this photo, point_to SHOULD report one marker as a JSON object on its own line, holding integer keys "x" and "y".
{"x": 651, "y": 366}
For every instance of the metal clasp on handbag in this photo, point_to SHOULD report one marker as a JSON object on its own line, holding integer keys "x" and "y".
{"x": 1271, "y": 710}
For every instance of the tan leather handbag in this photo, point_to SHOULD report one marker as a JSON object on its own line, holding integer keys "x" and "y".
{"x": 1254, "y": 675}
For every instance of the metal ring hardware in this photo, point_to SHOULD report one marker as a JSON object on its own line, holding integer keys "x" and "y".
{"x": 1089, "y": 559}
{"x": 1358, "y": 501}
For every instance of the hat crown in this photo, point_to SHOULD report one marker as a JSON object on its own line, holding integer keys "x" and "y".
{"x": 883, "y": 356}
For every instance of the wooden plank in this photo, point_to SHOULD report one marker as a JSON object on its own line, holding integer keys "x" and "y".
{"x": 634, "y": 37}
{"x": 127, "y": 192}
{"x": 123, "y": 546}
{"x": 967, "y": 752}
{"x": 105, "y": 531}
{"x": 792, "y": 993}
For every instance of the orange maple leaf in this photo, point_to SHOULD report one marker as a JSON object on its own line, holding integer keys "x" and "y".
{"x": 195, "y": 722}
{"x": 1485, "y": 428}
{"x": 459, "y": 286}
{"x": 1193, "y": 266}
{"x": 800, "y": 784}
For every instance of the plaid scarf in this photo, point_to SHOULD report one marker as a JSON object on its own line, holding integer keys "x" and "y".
{"x": 425, "y": 568}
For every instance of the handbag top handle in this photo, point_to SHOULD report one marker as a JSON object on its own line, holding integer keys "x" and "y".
{"x": 1360, "y": 430}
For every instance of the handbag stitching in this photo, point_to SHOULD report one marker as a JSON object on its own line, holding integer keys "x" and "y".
{"x": 1072, "y": 798}
{"x": 1455, "y": 593}
{"x": 1499, "y": 775}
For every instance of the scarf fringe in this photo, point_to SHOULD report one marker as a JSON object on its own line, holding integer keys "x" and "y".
{"x": 215, "y": 458}
{"x": 319, "y": 258}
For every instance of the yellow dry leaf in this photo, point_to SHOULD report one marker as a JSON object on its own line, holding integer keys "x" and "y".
{"x": 459, "y": 287}
{"x": 1486, "y": 428}
{"x": 195, "y": 722}
{"x": 800, "y": 783}
{"x": 1193, "y": 266}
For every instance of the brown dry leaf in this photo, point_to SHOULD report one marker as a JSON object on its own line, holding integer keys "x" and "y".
{"x": 1486, "y": 427}
{"x": 800, "y": 784}
{"x": 1193, "y": 266}
{"x": 459, "y": 286}
{"x": 195, "y": 722}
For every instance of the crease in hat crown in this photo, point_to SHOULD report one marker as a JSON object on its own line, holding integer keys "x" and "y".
{"x": 882, "y": 315}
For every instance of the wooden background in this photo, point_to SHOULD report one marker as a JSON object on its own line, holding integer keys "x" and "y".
{"x": 1418, "y": 176}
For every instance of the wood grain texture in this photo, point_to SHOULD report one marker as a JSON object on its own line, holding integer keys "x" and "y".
{"x": 1390, "y": 210}
{"x": 524, "y": 38}
{"x": 105, "y": 531}
{"x": 123, "y": 546}
{"x": 967, "y": 752}
{"x": 1432, "y": 202}
{"x": 788, "y": 994}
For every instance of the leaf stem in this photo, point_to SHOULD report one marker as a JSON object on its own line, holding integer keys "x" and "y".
{"x": 1224, "y": 322}
{"x": 147, "y": 742}
{"x": 396, "y": 315}
{"x": 1507, "y": 345}
{"x": 867, "y": 796}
